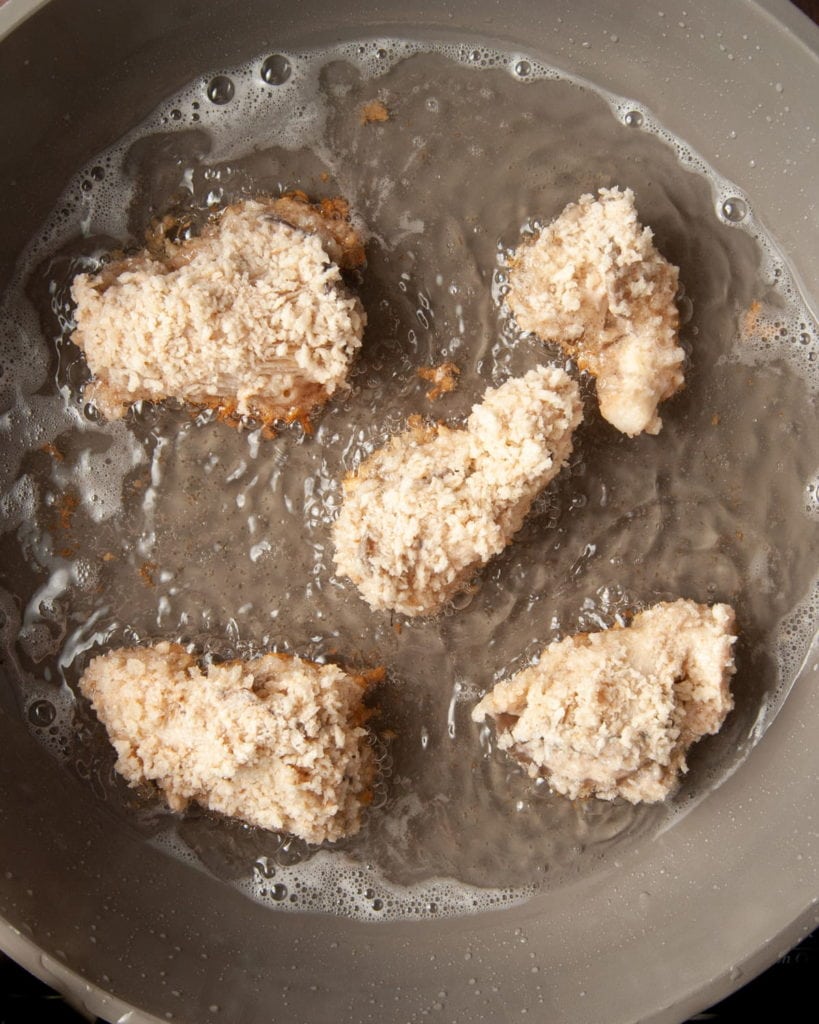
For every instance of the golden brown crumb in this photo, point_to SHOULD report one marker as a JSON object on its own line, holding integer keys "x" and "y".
{"x": 752, "y": 317}
{"x": 444, "y": 378}
{"x": 373, "y": 112}
{"x": 53, "y": 451}
{"x": 146, "y": 573}
{"x": 612, "y": 714}
{"x": 66, "y": 506}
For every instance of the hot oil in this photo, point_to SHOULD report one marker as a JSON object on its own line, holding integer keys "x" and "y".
{"x": 175, "y": 526}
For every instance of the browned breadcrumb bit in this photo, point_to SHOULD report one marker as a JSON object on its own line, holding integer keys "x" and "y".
{"x": 65, "y": 507}
{"x": 751, "y": 318}
{"x": 758, "y": 323}
{"x": 612, "y": 714}
{"x": 53, "y": 451}
{"x": 146, "y": 573}
{"x": 444, "y": 378}
{"x": 374, "y": 111}
{"x": 277, "y": 742}
{"x": 109, "y": 556}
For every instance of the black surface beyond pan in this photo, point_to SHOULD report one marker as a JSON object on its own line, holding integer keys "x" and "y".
{"x": 735, "y": 881}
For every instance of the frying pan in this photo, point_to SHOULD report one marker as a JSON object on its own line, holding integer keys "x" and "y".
{"x": 672, "y": 925}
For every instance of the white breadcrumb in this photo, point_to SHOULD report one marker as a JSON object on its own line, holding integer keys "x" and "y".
{"x": 612, "y": 714}
{"x": 593, "y": 282}
{"x": 424, "y": 512}
{"x": 276, "y": 742}
{"x": 251, "y": 317}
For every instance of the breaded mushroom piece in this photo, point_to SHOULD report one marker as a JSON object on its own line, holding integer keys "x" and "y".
{"x": 593, "y": 282}
{"x": 276, "y": 742}
{"x": 424, "y": 512}
{"x": 612, "y": 714}
{"x": 251, "y": 317}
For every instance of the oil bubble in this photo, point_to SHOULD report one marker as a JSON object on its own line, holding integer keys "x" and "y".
{"x": 523, "y": 69}
{"x": 276, "y": 69}
{"x": 221, "y": 90}
{"x": 42, "y": 713}
{"x": 279, "y": 892}
{"x": 734, "y": 210}
{"x": 634, "y": 119}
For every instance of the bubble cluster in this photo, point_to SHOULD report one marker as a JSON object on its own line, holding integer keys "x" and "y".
{"x": 332, "y": 883}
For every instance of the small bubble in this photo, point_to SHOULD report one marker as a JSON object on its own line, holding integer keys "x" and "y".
{"x": 475, "y": 56}
{"x": 634, "y": 119}
{"x": 523, "y": 69}
{"x": 381, "y": 54}
{"x": 176, "y": 115}
{"x": 276, "y": 69}
{"x": 734, "y": 210}
{"x": 97, "y": 173}
{"x": 264, "y": 868}
{"x": 279, "y": 892}
{"x": 221, "y": 90}
{"x": 42, "y": 713}
{"x": 378, "y": 904}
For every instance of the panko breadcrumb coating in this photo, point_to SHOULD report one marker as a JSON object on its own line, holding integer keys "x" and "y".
{"x": 276, "y": 742}
{"x": 612, "y": 714}
{"x": 593, "y": 282}
{"x": 251, "y": 317}
{"x": 424, "y": 512}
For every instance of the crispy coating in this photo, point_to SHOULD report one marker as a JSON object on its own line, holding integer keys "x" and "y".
{"x": 593, "y": 282}
{"x": 424, "y": 512}
{"x": 251, "y": 317}
{"x": 276, "y": 742}
{"x": 612, "y": 714}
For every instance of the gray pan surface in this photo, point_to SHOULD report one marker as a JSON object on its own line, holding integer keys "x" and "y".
{"x": 674, "y": 924}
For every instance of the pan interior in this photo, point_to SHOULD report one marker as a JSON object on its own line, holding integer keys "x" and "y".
{"x": 173, "y": 527}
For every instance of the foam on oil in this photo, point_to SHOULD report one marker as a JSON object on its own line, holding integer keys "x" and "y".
{"x": 163, "y": 526}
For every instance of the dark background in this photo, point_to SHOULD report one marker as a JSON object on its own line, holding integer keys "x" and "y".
{"x": 785, "y": 992}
